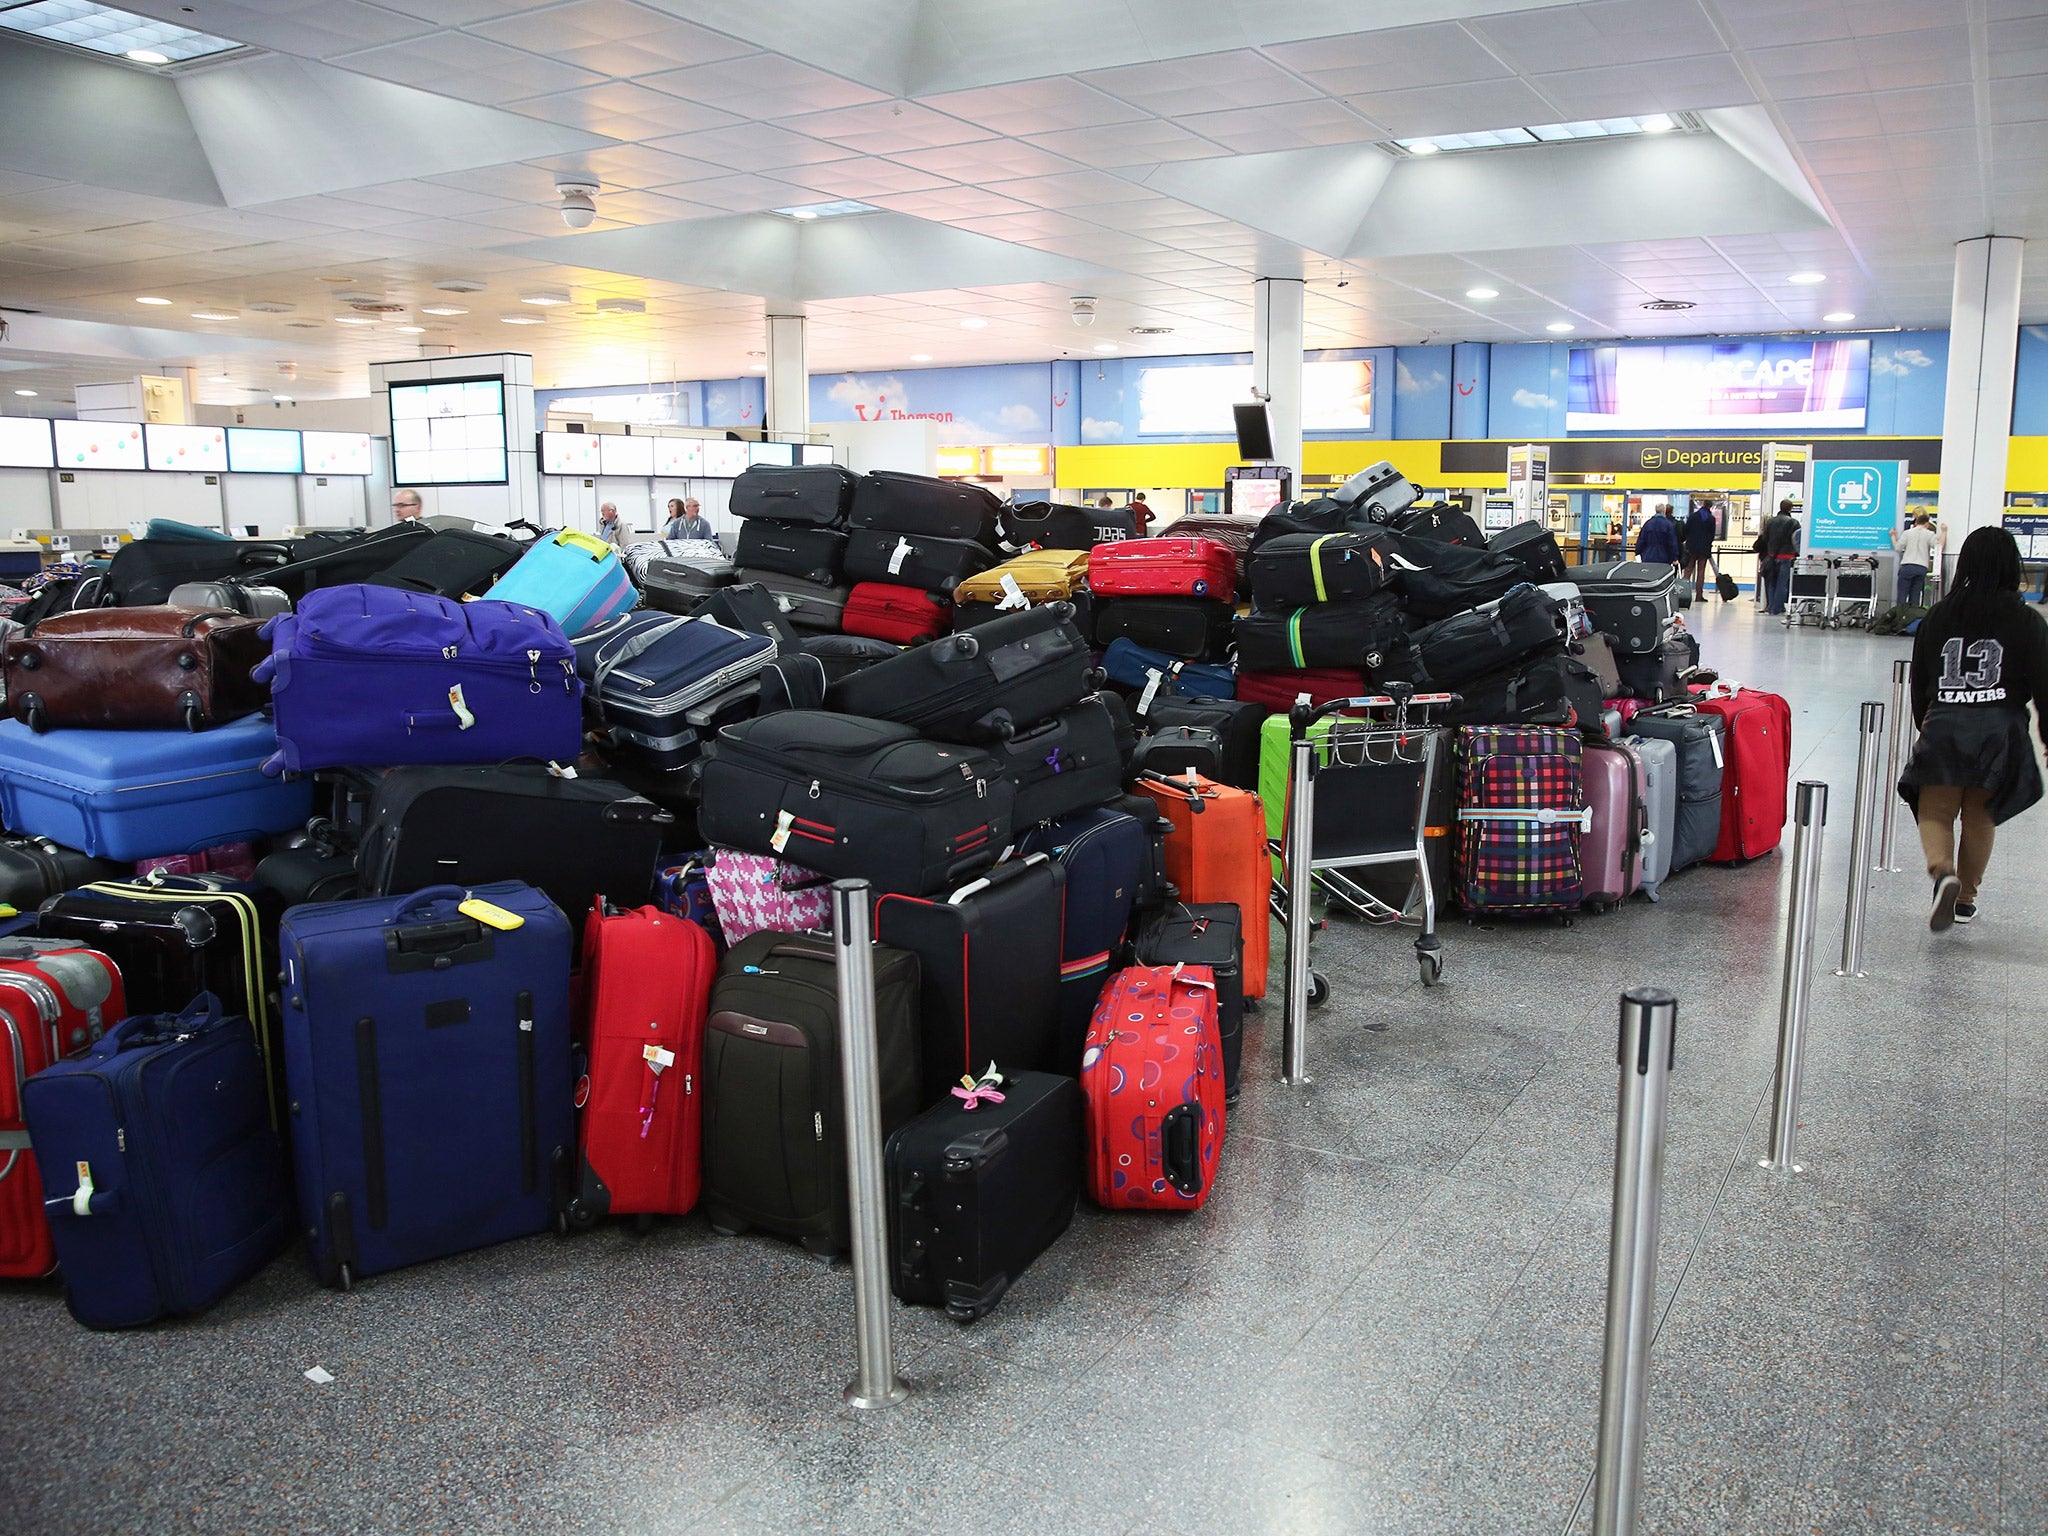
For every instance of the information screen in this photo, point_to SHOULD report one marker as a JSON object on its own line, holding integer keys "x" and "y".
{"x": 724, "y": 460}
{"x": 25, "y": 443}
{"x": 339, "y": 453}
{"x": 678, "y": 458}
{"x": 264, "y": 451}
{"x": 1198, "y": 401}
{"x": 814, "y": 453}
{"x": 173, "y": 447}
{"x": 568, "y": 453}
{"x": 99, "y": 445}
{"x": 1702, "y": 385}
{"x": 779, "y": 455}
{"x": 625, "y": 455}
{"x": 449, "y": 432}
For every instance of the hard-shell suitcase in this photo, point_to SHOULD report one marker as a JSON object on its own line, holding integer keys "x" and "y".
{"x": 1630, "y": 601}
{"x": 979, "y": 1185}
{"x": 1436, "y": 579}
{"x": 1276, "y": 688}
{"x": 702, "y": 554}
{"x": 881, "y": 610}
{"x": 989, "y": 956}
{"x": 1655, "y": 677}
{"x": 849, "y": 796}
{"x": 1235, "y": 722}
{"x": 427, "y": 1051}
{"x": 1300, "y": 568}
{"x": 811, "y": 608}
{"x": 32, "y": 868}
{"x": 1366, "y": 634}
{"x": 1070, "y": 763}
{"x": 1612, "y": 849}
{"x": 1167, "y": 567}
{"x": 250, "y": 599}
{"x": 683, "y": 586}
{"x": 1379, "y": 492}
{"x": 56, "y": 998}
{"x": 455, "y": 562}
{"x": 920, "y": 504}
{"x": 141, "y": 668}
{"x": 1008, "y": 675}
{"x": 751, "y": 892}
{"x": 1209, "y": 934}
{"x": 165, "y": 1180}
{"x": 819, "y": 494}
{"x": 813, "y": 554}
{"x": 1659, "y": 759}
{"x": 774, "y": 1115}
{"x": 1036, "y": 576}
{"x": 1489, "y": 638}
{"x": 645, "y": 673}
{"x": 1052, "y": 525}
{"x": 1696, "y": 820}
{"x": 647, "y": 976}
{"x": 1521, "y": 815}
{"x": 1757, "y": 737}
{"x": 1154, "y": 674}
{"x": 914, "y": 559}
{"x": 572, "y": 577}
{"x": 1532, "y": 546}
{"x": 1190, "y": 628}
{"x": 1216, "y": 852}
{"x": 1152, "y": 1076}
{"x": 1109, "y": 856}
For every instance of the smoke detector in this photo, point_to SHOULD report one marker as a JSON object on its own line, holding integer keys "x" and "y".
{"x": 460, "y": 285}
{"x": 579, "y": 201}
{"x": 1084, "y": 308}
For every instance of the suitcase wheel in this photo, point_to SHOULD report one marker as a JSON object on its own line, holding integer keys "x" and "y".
{"x": 348, "y": 1279}
{"x": 32, "y": 713}
{"x": 643, "y": 1223}
{"x": 578, "y": 1217}
{"x": 1318, "y": 989}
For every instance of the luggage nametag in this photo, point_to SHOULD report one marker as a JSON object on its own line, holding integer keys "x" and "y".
{"x": 455, "y": 702}
{"x": 898, "y": 555}
{"x": 1154, "y": 679}
{"x": 1714, "y": 741}
{"x": 559, "y": 771}
{"x": 972, "y": 1092}
{"x": 1013, "y": 595}
{"x": 81, "y": 1202}
{"x": 490, "y": 915}
{"x": 779, "y": 839}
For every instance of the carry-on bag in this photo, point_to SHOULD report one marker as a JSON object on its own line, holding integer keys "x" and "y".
{"x": 1533, "y": 547}
{"x": 818, "y": 494}
{"x": 645, "y": 673}
{"x": 849, "y": 796}
{"x": 574, "y": 578}
{"x": 1216, "y": 852}
{"x": 941, "y": 509}
{"x": 1053, "y": 525}
{"x": 914, "y": 559}
{"x": 1070, "y": 763}
{"x": 1036, "y": 576}
{"x": 881, "y": 610}
{"x": 144, "y": 572}
{"x": 989, "y": 957}
{"x": 1379, "y": 492}
{"x": 374, "y": 675}
{"x": 1489, "y": 638}
{"x": 129, "y": 795}
{"x": 250, "y": 599}
{"x": 1368, "y": 634}
{"x": 1617, "y": 834}
{"x": 165, "y": 1180}
{"x": 1180, "y": 749}
{"x": 1300, "y": 568}
{"x": 1007, "y": 676}
{"x": 32, "y": 868}
{"x": 1655, "y": 677}
{"x": 426, "y": 1043}
{"x": 1521, "y": 816}
{"x": 1190, "y": 628}
{"x": 754, "y": 891}
{"x": 1757, "y": 738}
{"x": 979, "y": 1185}
{"x": 1630, "y": 601}
{"x": 1441, "y": 522}
{"x": 683, "y": 586}
{"x": 1696, "y": 818}
{"x": 1436, "y": 579}
{"x": 750, "y": 606}
{"x": 1153, "y": 674}
{"x": 1659, "y": 759}
{"x": 1275, "y": 689}
{"x": 647, "y": 977}
{"x": 455, "y": 562}
{"x": 701, "y": 553}
{"x": 144, "y": 668}
{"x": 1152, "y": 1076}
{"x": 809, "y": 553}
{"x": 1727, "y": 586}
{"x": 1235, "y": 724}
{"x": 1553, "y": 689}
{"x": 1168, "y": 567}
{"x": 774, "y": 1114}
{"x": 812, "y": 608}
{"x": 1110, "y": 857}
{"x": 1209, "y": 934}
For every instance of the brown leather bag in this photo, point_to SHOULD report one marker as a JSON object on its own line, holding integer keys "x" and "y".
{"x": 159, "y": 667}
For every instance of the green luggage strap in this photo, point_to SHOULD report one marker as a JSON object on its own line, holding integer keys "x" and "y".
{"x": 1294, "y": 633}
{"x": 1315, "y": 565}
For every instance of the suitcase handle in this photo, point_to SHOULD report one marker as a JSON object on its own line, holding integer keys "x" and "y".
{"x": 198, "y": 1016}
{"x": 1180, "y": 1148}
{"x": 421, "y": 902}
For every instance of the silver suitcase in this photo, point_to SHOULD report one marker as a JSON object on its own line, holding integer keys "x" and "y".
{"x": 1660, "y": 798}
{"x": 1380, "y": 491}
{"x": 251, "y": 598}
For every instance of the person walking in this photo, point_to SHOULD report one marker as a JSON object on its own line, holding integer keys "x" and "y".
{"x": 1777, "y": 547}
{"x": 1916, "y": 545}
{"x": 1980, "y": 657}
{"x": 686, "y": 520}
{"x": 1702, "y": 525}
{"x": 1658, "y": 539}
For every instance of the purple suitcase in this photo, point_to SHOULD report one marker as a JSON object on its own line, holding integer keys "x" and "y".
{"x": 1611, "y": 852}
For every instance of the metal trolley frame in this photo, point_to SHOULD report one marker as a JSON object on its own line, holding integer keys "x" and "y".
{"x": 1854, "y": 597}
{"x": 1811, "y": 596}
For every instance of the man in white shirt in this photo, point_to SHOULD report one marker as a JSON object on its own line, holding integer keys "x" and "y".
{"x": 1916, "y": 545}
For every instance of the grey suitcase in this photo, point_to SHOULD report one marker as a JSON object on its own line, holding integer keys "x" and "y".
{"x": 252, "y": 599}
{"x": 1379, "y": 492}
{"x": 683, "y": 585}
{"x": 1660, "y": 801}
{"x": 808, "y": 606}
{"x": 1696, "y": 819}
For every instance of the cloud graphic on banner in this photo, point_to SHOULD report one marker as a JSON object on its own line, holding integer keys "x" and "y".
{"x": 1529, "y": 400}
{"x": 1020, "y": 418}
{"x": 1901, "y": 362}
{"x": 1093, "y": 431}
{"x": 1408, "y": 382}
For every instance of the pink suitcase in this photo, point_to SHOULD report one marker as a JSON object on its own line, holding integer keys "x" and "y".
{"x": 1611, "y": 852}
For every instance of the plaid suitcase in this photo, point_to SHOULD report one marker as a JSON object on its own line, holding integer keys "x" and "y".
{"x": 1521, "y": 813}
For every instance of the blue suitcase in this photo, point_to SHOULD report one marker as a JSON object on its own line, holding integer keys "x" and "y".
{"x": 134, "y": 794}
{"x": 1105, "y": 854}
{"x": 577, "y": 580}
{"x": 427, "y": 1053}
{"x": 1131, "y": 665}
{"x": 164, "y": 1183}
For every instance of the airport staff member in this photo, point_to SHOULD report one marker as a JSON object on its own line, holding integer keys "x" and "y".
{"x": 405, "y": 505}
{"x": 1916, "y": 545}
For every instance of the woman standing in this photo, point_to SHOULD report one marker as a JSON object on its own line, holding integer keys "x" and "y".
{"x": 1981, "y": 655}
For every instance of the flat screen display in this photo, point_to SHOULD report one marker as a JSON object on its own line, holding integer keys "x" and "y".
{"x": 724, "y": 460}
{"x": 1702, "y": 385}
{"x": 678, "y": 458}
{"x": 1203, "y": 400}
{"x": 448, "y": 432}
{"x": 568, "y": 453}
{"x": 779, "y": 455}
{"x": 99, "y": 445}
{"x": 174, "y": 447}
{"x": 264, "y": 451}
{"x": 625, "y": 455}
{"x": 339, "y": 453}
{"x": 814, "y": 453}
{"x": 25, "y": 443}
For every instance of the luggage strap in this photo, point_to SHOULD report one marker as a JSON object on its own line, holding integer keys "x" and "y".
{"x": 1315, "y": 566}
{"x": 1545, "y": 817}
{"x": 1294, "y": 627}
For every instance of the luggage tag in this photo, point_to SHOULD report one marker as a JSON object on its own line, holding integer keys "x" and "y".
{"x": 1013, "y": 595}
{"x": 972, "y": 1092}
{"x": 1154, "y": 678}
{"x": 779, "y": 839}
{"x": 898, "y": 555}
{"x": 657, "y": 1060}
{"x": 456, "y": 703}
{"x": 490, "y": 915}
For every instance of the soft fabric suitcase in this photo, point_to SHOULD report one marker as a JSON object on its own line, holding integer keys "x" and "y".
{"x": 1180, "y": 749}
{"x": 572, "y": 577}
{"x": 1521, "y": 805}
{"x": 1757, "y": 740}
{"x": 647, "y": 977}
{"x": 989, "y": 958}
{"x": 1367, "y": 634}
{"x": 1036, "y": 576}
{"x": 128, "y": 795}
{"x": 1727, "y": 586}
{"x": 455, "y": 562}
{"x": 849, "y": 796}
{"x": 141, "y": 668}
{"x": 978, "y": 1186}
{"x": 818, "y": 494}
{"x": 644, "y": 674}
{"x": 427, "y": 1051}
{"x": 1152, "y": 1076}
{"x": 914, "y": 559}
{"x": 881, "y": 610}
{"x": 1378, "y": 492}
{"x": 250, "y": 599}
{"x": 683, "y": 586}
{"x": 1489, "y": 638}
{"x": 1659, "y": 759}
{"x": 1208, "y": 934}
{"x": 1442, "y": 522}
{"x": 1167, "y": 567}
{"x": 1276, "y": 689}
{"x": 165, "y": 1181}
{"x": 1053, "y": 525}
{"x": 1630, "y": 601}
{"x": 704, "y": 554}
{"x": 808, "y": 606}
{"x": 1696, "y": 818}
{"x": 1190, "y": 628}
{"x": 1216, "y": 852}
{"x": 844, "y": 655}
{"x": 942, "y": 509}
{"x": 32, "y": 868}
{"x": 1070, "y": 763}
{"x": 753, "y": 608}
{"x": 684, "y": 890}
{"x": 1436, "y": 579}
{"x": 812, "y": 554}
{"x": 1612, "y": 849}
{"x": 1109, "y": 856}
{"x": 1532, "y": 546}
{"x": 341, "y": 558}
{"x": 751, "y": 892}
{"x": 1300, "y": 568}
{"x": 1154, "y": 674}
{"x": 144, "y": 572}
{"x": 967, "y": 615}
{"x": 1553, "y": 689}
{"x": 774, "y": 1113}
{"x": 1009, "y": 675}
{"x": 1655, "y": 677}
{"x": 1235, "y": 723}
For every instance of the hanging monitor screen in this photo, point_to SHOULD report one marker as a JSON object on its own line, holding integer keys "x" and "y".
{"x": 99, "y": 445}
{"x": 569, "y": 453}
{"x": 264, "y": 451}
{"x": 448, "y": 432}
{"x": 339, "y": 453}
{"x": 174, "y": 447}
{"x": 678, "y": 458}
{"x": 724, "y": 460}
{"x": 618, "y": 455}
{"x": 777, "y": 455}
{"x": 25, "y": 443}
{"x": 1701, "y": 385}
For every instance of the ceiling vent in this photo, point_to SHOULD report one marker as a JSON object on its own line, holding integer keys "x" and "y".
{"x": 376, "y": 307}
{"x": 1151, "y": 330}
{"x": 460, "y": 285}
{"x": 622, "y": 306}
{"x": 1666, "y": 306}
{"x": 272, "y": 307}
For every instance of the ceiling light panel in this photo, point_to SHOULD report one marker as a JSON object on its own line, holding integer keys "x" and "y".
{"x": 1552, "y": 133}
{"x": 842, "y": 208}
{"x": 102, "y": 29}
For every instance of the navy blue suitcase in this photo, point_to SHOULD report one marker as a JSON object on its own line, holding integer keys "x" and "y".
{"x": 164, "y": 1182}
{"x": 1154, "y": 673}
{"x": 427, "y": 1053}
{"x": 1106, "y": 854}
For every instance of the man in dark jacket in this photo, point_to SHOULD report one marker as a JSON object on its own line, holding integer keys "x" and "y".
{"x": 1701, "y": 527}
{"x": 1658, "y": 539}
{"x": 1778, "y": 547}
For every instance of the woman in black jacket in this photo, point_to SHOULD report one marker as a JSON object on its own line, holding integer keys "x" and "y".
{"x": 1980, "y": 656}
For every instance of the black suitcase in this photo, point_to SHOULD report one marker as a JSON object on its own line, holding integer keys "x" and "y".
{"x": 1534, "y": 548}
{"x": 1071, "y": 763}
{"x": 1317, "y": 515}
{"x": 924, "y": 560}
{"x": 1657, "y": 678}
{"x": 816, "y": 555}
{"x": 812, "y": 609}
{"x": 989, "y": 958}
{"x": 749, "y": 606}
{"x": 1630, "y": 601}
{"x": 1437, "y": 579}
{"x": 1054, "y": 525}
{"x": 1299, "y": 568}
{"x": 976, "y": 1193}
{"x": 575, "y": 839}
{"x": 940, "y": 509}
{"x": 848, "y": 796}
{"x": 1154, "y": 889}
{"x": 322, "y": 868}
{"x": 1121, "y": 723}
{"x": 1696, "y": 823}
{"x": 33, "y": 869}
{"x": 1441, "y": 523}
{"x": 1211, "y": 934}
{"x": 143, "y": 572}
{"x": 682, "y": 586}
{"x": 455, "y": 562}
{"x": 1179, "y": 749}
{"x": 1235, "y": 722}
{"x": 1345, "y": 635}
{"x": 1009, "y": 675}
{"x": 1489, "y": 638}
{"x": 1192, "y": 628}
{"x": 816, "y": 494}
{"x": 1535, "y": 692}
{"x": 774, "y": 1116}
{"x": 974, "y": 615}
{"x": 326, "y": 561}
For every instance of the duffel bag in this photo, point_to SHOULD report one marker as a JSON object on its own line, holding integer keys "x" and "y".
{"x": 1489, "y": 638}
{"x": 1436, "y": 580}
{"x": 1347, "y": 635}
{"x": 1441, "y": 522}
{"x": 1302, "y": 568}
{"x": 1053, "y": 525}
{"x": 155, "y": 667}
{"x": 1534, "y": 548}
{"x": 1154, "y": 673}
{"x": 1549, "y": 690}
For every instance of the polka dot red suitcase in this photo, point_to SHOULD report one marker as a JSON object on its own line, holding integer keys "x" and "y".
{"x": 1152, "y": 1075}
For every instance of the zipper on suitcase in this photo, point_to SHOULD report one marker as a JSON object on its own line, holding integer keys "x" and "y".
{"x": 371, "y": 1103}
{"x": 529, "y": 1177}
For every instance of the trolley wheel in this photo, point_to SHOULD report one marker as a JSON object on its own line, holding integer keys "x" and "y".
{"x": 348, "y": 1279}
{"x": 1318, "y": 989}
{"x": 561, "y": 1223}
{"x": 1432, "y": 963}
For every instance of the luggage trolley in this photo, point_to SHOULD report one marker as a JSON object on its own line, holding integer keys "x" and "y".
{"x": 1855, "y": 594}
{"x": 1812, "y": 593}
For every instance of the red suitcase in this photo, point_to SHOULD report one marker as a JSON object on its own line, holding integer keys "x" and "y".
{"x": 1217, "y": 852}
{"x": 1278, "y": 690}
{"x": 1757, "y": 732}
{"x": 881, "y": 610}
{"x": 1152, "y": 1076}
{"x": 56, "y": 999}
{"x": 649, "y": 977}
{"x": 1163, "y": 568}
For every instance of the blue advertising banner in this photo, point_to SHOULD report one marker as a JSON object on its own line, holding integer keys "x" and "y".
{"x": 1856, "y": 504}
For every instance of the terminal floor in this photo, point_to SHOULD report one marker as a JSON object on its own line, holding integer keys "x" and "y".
{"x": 1387, "y": 1320}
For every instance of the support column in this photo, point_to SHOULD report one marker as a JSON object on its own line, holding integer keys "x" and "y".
{"x": 1983, "y": 349}
{"x": 1276, "y": 363}
{"x": 789, "y": 379}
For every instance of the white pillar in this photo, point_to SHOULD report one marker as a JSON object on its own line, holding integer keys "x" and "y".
{"x": 1276, "y": 363}
{"x": 789, "y": 379}
{"x": 1983, "y": 348}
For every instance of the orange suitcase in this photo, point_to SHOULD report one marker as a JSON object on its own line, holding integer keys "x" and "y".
{"x": 1217, "y": 852}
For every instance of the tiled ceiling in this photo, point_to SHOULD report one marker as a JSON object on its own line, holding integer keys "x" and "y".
{"x": 1914, "y": 123}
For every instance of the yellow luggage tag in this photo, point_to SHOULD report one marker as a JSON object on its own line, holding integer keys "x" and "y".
{"x": 491, "y": 915}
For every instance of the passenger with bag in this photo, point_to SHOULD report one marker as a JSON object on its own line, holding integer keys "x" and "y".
{"x": 1702, "y": 523}
{"x": 1777, "y": 546}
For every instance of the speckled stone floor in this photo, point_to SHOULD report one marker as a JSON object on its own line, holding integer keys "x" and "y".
{"x": 1386, "y": 1321}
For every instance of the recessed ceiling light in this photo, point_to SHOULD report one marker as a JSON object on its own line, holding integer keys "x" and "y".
{"x": 1482, "y": 293}
{"x": 840, "y": 208}
{"x": 1151, "y": 330}
{"x": 442, "y": 309}
{"x": 1667, "y": 306}
{"x": 303, "y": 325}
{"x": 411, "y": 330}
{"x": 460, "y": 285}
{"x": 974, "y": 323}
{"x": 1559, "y": 327}
{"x": 112, "y": 33}
{"x": 26, "y": 394}
{"x": 1839, "y": 317}
{"x": 282, "y": 399}
{"x": 803, "y": 213}
{"x": 215, "y": 314}
{"x": 145, "y": 56}
{"x": 920, "y": 357}
{"x": 757, "y": 367}
{"x": 1105, "y": 346}
{"x": 521, "y": 319}
{"x": 546, "y": 300}
{"x": 1807, "y": 277}
{"x": 1422, "y": 147}
{"x": 353, "y": 320}
{"x": 1658, "y": 122}
{"x": 146, "y": 299}
{"x": 622, "y": 306}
